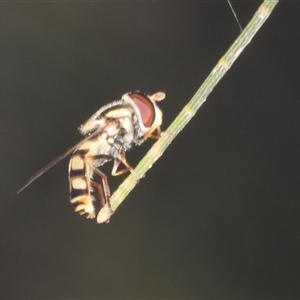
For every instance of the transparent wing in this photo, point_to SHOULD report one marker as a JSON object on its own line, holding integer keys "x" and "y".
{"x": 57, "y": 160}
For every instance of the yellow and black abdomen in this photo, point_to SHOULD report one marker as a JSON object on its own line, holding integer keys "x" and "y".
{"x": 82, "y": 165}
{"x": 79, "y": 180}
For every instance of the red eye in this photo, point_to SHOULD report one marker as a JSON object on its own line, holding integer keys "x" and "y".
{"x": 145, "y": 107}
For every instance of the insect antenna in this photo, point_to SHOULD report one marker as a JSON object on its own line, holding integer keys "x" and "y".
{"x": 56, "y": 160}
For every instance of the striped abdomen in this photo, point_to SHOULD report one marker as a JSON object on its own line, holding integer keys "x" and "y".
{"x": 79, "y": 180}
{"x": 83, "y": 164}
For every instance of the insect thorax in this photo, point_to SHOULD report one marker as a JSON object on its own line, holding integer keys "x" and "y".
{"x": 118, "y": 121}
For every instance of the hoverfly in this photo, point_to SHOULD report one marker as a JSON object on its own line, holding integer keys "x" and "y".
{"x": 109, "y": 133}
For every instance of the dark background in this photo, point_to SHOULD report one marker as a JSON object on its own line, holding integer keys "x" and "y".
{"x": 216, "y": 217}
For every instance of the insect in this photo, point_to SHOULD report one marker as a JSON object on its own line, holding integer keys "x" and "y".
{"x": 109, "y": 133}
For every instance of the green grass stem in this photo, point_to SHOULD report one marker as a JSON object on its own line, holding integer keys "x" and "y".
{"x": 189, "y": 110}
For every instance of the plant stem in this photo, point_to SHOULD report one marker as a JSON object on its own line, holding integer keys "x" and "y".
{"x": 190, "y": 108}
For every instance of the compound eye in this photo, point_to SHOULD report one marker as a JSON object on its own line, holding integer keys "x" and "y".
{"x": 145, "y": 107}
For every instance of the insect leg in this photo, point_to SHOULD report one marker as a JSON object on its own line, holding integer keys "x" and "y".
{"x": 106, "y": 188}
{"x": 99, "y": 188}
{"x": 150, "y": 133}
{"x": 128, "y": 168}
{"x": 117, "y": 162}
{"x": 105, "y": 199}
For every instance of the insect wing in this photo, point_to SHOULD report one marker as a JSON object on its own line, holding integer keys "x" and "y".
{"x": 57, "y": 160}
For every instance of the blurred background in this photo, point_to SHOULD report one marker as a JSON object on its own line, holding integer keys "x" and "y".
{"x": 216, "y": 217}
